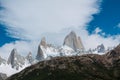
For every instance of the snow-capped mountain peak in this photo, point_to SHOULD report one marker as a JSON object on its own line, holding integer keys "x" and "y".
{"x": 73, "y": 41}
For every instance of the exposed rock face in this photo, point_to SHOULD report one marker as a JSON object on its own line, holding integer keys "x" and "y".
{"x": 73, "y": 41}
{"x": 113, "y": 56}
{"x": 43, "y": 42}
{"x": 3, "y": 76}
{"x": 2, "y": 61}
{"x": 115, "y": 53}
{"x": 30, "y": 58}
{"x": 101, "y": 48}
{"x": 40, "y": 54}
{"x": 15, "y": 59}
{"x": 84, "y": 67}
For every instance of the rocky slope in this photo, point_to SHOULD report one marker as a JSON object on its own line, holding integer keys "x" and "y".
{"x": 84, "y": 67}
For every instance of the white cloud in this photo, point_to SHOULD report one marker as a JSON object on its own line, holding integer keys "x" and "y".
{"x": 97, "y": 30}
{"x": 95, "y": 39}
{"x": 23, "y": 48}
{"x": 31, "y": 18}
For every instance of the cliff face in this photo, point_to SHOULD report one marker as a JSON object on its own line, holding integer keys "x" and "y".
{"x": 85, "y": 67}
{"x": 16, "y": 60}
{"x": 40, "y": 54}
{"x": 73, "y": 41}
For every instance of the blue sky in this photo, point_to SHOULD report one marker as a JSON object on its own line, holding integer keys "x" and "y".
{"x": 24, "y": 22}
{"x": 4, "y": 38}
{"x": 108, "y": 18}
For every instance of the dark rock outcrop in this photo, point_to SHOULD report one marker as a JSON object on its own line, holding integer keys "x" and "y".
{"x": 43, "y": 42}
{"x": 73, "y": 41}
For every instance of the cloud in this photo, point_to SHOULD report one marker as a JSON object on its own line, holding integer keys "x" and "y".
{"x": 34, "y": 17}
{"x": 30, "y": 20}
{"x": 95, "y": 39}
{"x": 97, "y": 30}
{"x": 23, "y": 48}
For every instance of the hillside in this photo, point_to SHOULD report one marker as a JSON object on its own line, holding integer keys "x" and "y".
{"x": 84, "y": 67}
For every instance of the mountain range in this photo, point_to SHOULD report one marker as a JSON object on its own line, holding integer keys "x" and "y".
{"x": 84, "y": 67}
{"x": 72, "y": 48}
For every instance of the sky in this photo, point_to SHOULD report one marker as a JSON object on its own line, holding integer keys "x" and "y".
{"x": 109, "y": 17}
{"x": 24, "y": 22}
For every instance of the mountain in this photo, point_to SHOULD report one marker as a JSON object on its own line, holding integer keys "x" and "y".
{"x": 29, "y": 58}
{"x": 101, "y": 48}
{"x": 3, "y": 76}
{"x": 73, "y": 41}
{"x": 84, "y": 67}
{"x": 43, "y": 42}
{"x": 40, "y": 54}
{"x": 15, "y": 63}
{"x": 15, "y": 60}
{"x": 47, "y": 51}
{"x": 72, "y": 46}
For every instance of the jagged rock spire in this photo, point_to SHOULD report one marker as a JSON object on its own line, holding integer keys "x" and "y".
{"x": 43, "y": 42}
{"x": 73, "y": 41}
{"x": 12, "y": 56}
{"x": 101, "y": 48}
{"x": 30, "y": 58}
{"x": 40, "y": 54}
{"x": 15, "y": 59}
